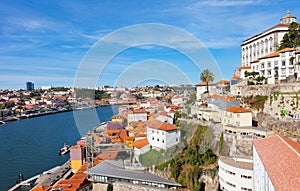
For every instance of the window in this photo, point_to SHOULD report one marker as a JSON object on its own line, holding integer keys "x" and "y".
{"x": 283, "y": 63}
{"x": 163, "y": 141}
{"x": 269, "y": 64}
{"x": 246, "y": 177}
{"x": 282, "y": 71}
{"x": 162, "y": 133}
{"x": 153, "y": 138}
{"x": 238, "y": 115}
{"x": 152, "y": 131}
{"x": 262, "y": 65}
{"x": 237, "y": 123}
{"x": 291, "y": 70}
{"x": 157, "y": 139}
{"x": 269, "y": 72}
{"x": 176, "y": 139}
{"x": 276, "y": 63}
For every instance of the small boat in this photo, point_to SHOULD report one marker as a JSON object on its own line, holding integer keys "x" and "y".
{"x": 64, "y": 150}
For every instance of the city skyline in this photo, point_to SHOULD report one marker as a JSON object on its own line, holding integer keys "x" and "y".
{"x": 45, "y": 42}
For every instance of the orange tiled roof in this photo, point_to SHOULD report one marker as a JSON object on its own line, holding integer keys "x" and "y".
{"x": 42, "y": 188}
{"x": 155, "y": 124}
{"x": 237, "y": 109}
{"x": 112, "y": 131}
{"x": 244, "y": 67}
{"x": 235, "y": 77}
{"x": 275, "y": 54}
{"x": 254, "y": 61}
{"x": 223, "y": 82}
{"x": 281, "y": 159}
{"x": 140, "y": 143}
{"x": 204, "y": 84}
{"x": 105, "y": 155}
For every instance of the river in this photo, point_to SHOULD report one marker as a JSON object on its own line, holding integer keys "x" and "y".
{"x": 30, "y": 146}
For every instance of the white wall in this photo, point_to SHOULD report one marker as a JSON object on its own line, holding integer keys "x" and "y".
{"x": 230, "y": 177}
{"x": 162, "y": 139}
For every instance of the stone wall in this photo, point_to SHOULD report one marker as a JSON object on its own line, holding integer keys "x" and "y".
{"x": 267, "y": 89}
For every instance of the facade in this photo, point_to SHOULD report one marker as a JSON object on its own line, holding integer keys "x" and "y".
{"x": 278, "y": 66}
{"x": 136, "y": 115}
{"x": 235, "y": 174}
{"x": 276, "y": 164}
{"x": 266, "y": 42}
{"x": 29, "y": 86}
{"x": 162, "y": 135}
{"x": 201, "y": 88}
{"x": 237, "y": 116}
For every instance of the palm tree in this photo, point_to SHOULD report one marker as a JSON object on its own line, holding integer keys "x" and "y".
{"x": 207, "y": 76}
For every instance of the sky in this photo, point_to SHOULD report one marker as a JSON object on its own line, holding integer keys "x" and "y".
{"x": 113, "y": 42}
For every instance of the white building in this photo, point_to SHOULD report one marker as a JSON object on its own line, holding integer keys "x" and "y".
{"x": 235, "y": 174}
{"x": 136, "y": 115}
{"x": 201, "y": 88}
{"x": 162, "y": 135}
{"x": 266, "y": 42}
{"x": 276, "y": 164}
{"x": 141, "y": 146}
{"x": 278, "y": 65}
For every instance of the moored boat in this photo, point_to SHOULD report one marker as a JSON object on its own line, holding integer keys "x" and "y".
{"x": 64, "y": 150}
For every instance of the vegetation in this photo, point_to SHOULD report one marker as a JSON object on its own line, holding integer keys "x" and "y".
{"x": 256, "y": 102}
{"x": 187, "y": 166}
{"x": 110, "y": 187}
{"x": 291, "y": 39}
{"x": 207, "y": 76}
{"x": 221, "y": 143}
{"x": 92, "y": 94}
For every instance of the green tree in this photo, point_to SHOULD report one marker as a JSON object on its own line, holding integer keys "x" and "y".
{"x": 207, "y": 76}
{"x": 291, "y": 39}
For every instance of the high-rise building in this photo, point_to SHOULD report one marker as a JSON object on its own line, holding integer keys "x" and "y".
{"x": 276, "y": 164}
{"x": 29, "y": 86}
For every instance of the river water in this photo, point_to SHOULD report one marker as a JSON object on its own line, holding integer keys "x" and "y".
{"x": 30, "y": 146}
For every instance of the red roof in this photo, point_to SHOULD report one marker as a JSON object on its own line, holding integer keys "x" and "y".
{"x": 155, "y": 124}
{"x": 281, "y": 159}
{"x": 276, "y": 54}
{"x": 237, "y": 109}
{"x": 223, "y": 82}
{"x": 244, "y": 67}
{"x": 204, "y": 84}
{"x": 140, "y": 143}
{"x": 235, "y": 77}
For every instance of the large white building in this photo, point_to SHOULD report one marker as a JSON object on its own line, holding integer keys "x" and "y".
{"x": 162, "y": 135}
{"x": 276, "y": 164}
{"x": 235, "y": 174}
{"x": 266, "y": 42}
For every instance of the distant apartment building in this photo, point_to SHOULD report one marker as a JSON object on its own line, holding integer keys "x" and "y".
{"x": 162, "y": 135}
{"x": 235, "y": 174}
{"x": 220, "y": 87}
{"x": 29, "y": 86}
{"x": 276, "y": 164}
{"x": 266, "y": 42}
{"x": 136, "y": 115}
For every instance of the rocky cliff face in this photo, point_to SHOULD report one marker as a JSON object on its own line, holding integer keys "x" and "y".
{"x": 289, "y": 127}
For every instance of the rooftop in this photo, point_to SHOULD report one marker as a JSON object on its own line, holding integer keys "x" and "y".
{"x": 281, "y": 159}
{"x": 238, "y": 162}
{"x": 237, "y": 109}
{"x": 140, "y": 143}
{"x": 155, "y": 124}
{"x": 116, "y": 169}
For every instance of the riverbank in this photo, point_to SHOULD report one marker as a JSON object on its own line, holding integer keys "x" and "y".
{"x": 32, "y": 115}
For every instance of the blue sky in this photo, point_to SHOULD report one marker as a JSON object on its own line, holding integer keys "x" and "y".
{"x": 45, "y": 41}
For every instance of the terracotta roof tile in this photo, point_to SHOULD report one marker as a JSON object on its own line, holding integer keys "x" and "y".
{"x": 155, "y": 124}
{"x": 281, "y": 159}
{"x": 140, "y": 143}
{"x": 244, "y": 67}
{"x": 204, "y": 84}
{"x": 235, "y": 77}
{"x": 237, "y": 109}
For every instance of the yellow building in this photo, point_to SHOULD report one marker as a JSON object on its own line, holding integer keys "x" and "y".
{"x": 237, "y": 116}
